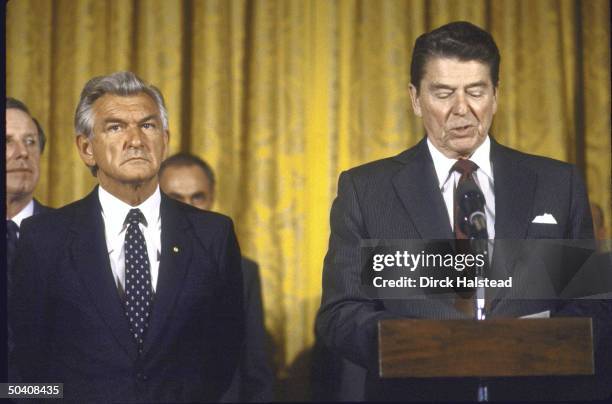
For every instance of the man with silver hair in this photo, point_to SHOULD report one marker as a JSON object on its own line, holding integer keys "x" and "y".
{"x": 127, "y": 295}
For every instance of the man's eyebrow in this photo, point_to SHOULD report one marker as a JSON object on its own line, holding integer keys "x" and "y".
{"x": 119, "y": 120}
{"x": 113, "y": 120}
{"x": 480, "y": 83}
{"x": 149, "y": 118}
{"x": 439, "y": 86}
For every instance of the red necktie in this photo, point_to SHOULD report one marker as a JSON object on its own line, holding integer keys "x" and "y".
{"x": 466, "y": 168}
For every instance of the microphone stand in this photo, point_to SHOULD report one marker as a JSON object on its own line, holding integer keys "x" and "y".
{"x": 472, "y": 203}
{"x": 479, "y": 244}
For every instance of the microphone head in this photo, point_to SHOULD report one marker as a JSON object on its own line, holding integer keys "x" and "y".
{"x": 478, "y": 220}
{"x": 471, "y": 200}
{"x": 471, "y": 205}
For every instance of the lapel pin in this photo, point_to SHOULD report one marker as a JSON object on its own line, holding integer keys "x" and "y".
{"x": 175, "y": 249}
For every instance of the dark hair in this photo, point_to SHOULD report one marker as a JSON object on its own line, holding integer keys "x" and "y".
{"x": 186, "y": 160}
{"x": 13, "y": 103}
{"x": 462, "y": 40}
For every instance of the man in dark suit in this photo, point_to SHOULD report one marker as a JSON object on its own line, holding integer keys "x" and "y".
{"x": 189, "y": 179}
{"x": 127, "y": 295}
{"x": 454, "y": 82}
{"x": 25, "y": 143}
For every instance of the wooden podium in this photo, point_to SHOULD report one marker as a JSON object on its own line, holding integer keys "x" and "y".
{"x": 489, "y": 348}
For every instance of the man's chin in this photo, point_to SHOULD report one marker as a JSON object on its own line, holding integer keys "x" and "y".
{"x": 20, "y": 185}
{"x": 465, "y": 146}
{"x": 19, "y": 193}
{"x": 140, "y": 179}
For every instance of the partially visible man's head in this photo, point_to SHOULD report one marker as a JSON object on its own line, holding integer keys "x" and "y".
{"x": 454, "y": 77}
{"x": 25, "y": 142}
{"x": 189, "y": 179}
{"x": 122, "y": 130}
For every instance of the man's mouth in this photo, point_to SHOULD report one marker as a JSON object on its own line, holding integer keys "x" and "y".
{"x": 463, "y": 129}
{"x": 132, "y": 159}
{"x": 18, "y": 170}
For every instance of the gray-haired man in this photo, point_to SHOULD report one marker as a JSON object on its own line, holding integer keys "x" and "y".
{"x": 127, "y": 295}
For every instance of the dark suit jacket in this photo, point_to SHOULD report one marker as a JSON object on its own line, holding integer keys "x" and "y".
{"x": 254, "y": 379}
{"x": 38, "y": 209}
{"x": 69, "y": 323}
{"x": 399, "y": 198}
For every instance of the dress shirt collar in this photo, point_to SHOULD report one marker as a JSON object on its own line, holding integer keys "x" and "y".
{"x": 443, "y": 164}
{"x": 115, "y": 210}
{"x": 24, "y": 213}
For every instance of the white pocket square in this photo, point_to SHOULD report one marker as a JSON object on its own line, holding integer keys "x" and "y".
{"x": 546, "y": 218}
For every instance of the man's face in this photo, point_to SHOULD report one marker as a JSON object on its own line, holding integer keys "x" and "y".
{"x": 22, "y": 153}
{"x": 187, "y": 184}
{"x": 457, "y": 101}
{"x": 128, "y": 142}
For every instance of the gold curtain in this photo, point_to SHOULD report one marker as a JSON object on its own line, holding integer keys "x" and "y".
{"x": 281, "y": 96}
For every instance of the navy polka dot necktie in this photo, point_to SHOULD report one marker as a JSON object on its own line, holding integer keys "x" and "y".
{"x": 138, "y": 290}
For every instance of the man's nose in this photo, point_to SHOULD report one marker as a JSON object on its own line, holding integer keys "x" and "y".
{"x": 460, "y": 107}
{"x": 134, "y": 136}
{"x": 21, "y": 149}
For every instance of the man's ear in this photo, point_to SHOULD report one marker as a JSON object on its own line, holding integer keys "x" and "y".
{"x": 495, "y": 95}
{"x": 414, "y": 97}
{"x": 85, "y": 147}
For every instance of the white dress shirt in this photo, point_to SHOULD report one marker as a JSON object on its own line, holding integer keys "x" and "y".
{"x": 447, "y": 180}
{"x": 24, "y": 213}
{"x": 114, "y": 212}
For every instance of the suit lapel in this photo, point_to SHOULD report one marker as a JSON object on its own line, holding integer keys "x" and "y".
{"x": 417, "y": 187}
{"x": 38, "y": 208}
{"x": 176, "y": 251}
{"x": 92, "y": 265}
{"x": 515, "y": 187}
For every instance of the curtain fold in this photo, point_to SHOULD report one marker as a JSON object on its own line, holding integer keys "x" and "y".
{"x": 281, "y": 96}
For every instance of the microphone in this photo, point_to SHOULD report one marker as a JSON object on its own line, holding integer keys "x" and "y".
{"x": 471, "y": 204}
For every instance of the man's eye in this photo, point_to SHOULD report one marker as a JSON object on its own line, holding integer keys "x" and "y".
{"x": 30, "y": 141}
{"x": 148, "y": 125}
{"x": 443, "y": 95}
{"x": 476, "y": 94}
{"x": 113, "y": 128}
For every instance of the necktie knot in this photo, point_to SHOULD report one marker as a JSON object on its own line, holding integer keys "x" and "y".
{"x": 135, "y": 217}
{"x": 465, "y": 167}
